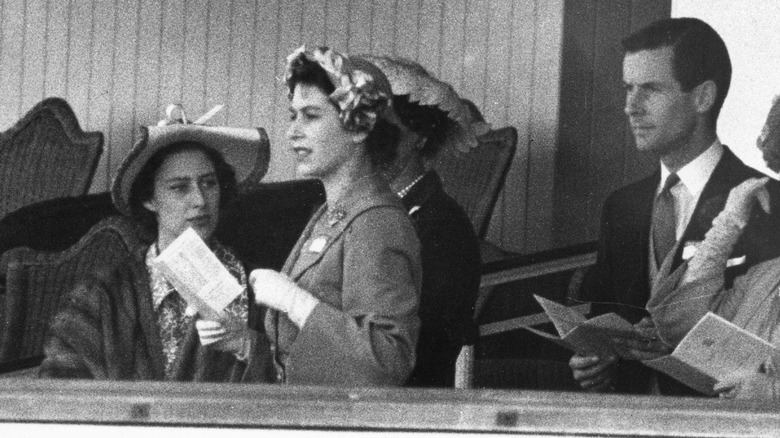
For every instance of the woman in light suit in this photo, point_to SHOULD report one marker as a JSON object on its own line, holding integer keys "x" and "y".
{"x": 344, "y": 309}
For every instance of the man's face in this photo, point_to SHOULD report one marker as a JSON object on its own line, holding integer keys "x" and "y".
{"x": 662, "y": 116}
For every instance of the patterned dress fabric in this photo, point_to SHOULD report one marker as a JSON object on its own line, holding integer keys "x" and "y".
{"x": 172, "y": 317}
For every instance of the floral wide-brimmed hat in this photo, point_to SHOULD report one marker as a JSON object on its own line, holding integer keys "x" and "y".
{"x": 362, "y": 92}
{"x": 408, "y": 78}
{"x": 243, "y": 148}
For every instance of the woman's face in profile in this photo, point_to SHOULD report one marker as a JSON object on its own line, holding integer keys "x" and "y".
{"x": 186, "y": 194}
{"x": 319, "y": 140}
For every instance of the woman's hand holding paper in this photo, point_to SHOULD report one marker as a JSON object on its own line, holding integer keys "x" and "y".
{"x": 646, "y": 345}
{"x": 230, "y": 335}
{"x": 277, "y": 291}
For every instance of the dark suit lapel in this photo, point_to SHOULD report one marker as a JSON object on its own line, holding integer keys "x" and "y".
{"x": 643, "y": 218}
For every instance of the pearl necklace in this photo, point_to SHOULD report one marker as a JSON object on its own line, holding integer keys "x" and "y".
{"x": 405, "y": 191}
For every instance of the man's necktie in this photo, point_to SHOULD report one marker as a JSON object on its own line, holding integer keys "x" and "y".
{"x": 665, "y": 220}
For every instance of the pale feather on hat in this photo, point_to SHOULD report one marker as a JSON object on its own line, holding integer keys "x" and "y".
{"x": 769, "y": 140}
{"x": 407, "y": 77}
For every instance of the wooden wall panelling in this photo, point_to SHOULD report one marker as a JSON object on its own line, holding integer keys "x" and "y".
{"x": 172, "y": 52}
{"x": 34, "y": 59}
{"x": 383, "y": 25}
{"x": 79, "y": 56}
{"x": 58, "y": 20}
{"x": 510, "y": 220}
{"x": 475, "y": 56}
{"x": 148, "y": 108}
{"x": 497, "y": 71}
{"x": 290, "y": 38}
{"x": 101, "y": 110}
{"x": 360, "y": 26}
{"x": 267, "y": 69}
{"x": 407, "y": 28}
{"x": 125, "y": 81}
{"x": 337, "y": 24}
{"x": 608, "y": 150}
{"x": 313, "y": 27}
{"x": 11, "y": 56}
{"x": 218, "y": 74}
{"x": 195, "y": 54}
{"x": 543, "y": 125}
{"x": 431, "y": 23}
{"x": 240, "y": 86}
{"x": 572, "y": 191}
{"x": 452, "y": 41}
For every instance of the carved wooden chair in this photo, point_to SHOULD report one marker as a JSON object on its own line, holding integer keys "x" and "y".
{"x": 475, "y": 179}
{"x": 46, "y": 155}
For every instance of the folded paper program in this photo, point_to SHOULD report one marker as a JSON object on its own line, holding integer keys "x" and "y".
{"x": 198, "y": 275}
{"x": 588, "y": 336}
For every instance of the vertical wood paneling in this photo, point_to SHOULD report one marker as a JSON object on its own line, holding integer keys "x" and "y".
{"x": 313, "y": 28}
{"x": 147, "y": 104}
{"x": 477, "y": 34}
{"x": 337, "y": 25}
{"x": 497, "y": 72}
{"x": 608, "y": 150}
{"x": 79, "y": 56}
{"x": 124, "y": 84}
{"x": 431, "y": 14}
{"x": 266, "y": 85}
{"x": 543, "y": 124}
{"x": 407, "y": 28}
{"x": 239, "y": 102}
{"x": 101, "y": 111}
{"x": 34, "y": 58}
{"x": 510, "y": 221}
{"x": 217, "y": 59}
{"x": 289, "y": 40}
{"x": 360, "y": 27}
{"x": 383, "y": 27}
{"x": 11, "y": 58}
{"x": 452, "y": 42}
{"x": 58, "y": 18}
{"x": 172, "y": 49}
{"x": 195, "y": 36}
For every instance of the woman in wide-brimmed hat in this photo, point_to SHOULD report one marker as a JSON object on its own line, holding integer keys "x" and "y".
{"x": 344, "y": 307}
{"x": 124, "y": 320}
{"x": 434, "y": 119}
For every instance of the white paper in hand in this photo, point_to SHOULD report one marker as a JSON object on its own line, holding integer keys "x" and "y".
{"x": 198, "y": 275}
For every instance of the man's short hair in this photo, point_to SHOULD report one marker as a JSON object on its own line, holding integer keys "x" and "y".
{"x": 699, "y": 54}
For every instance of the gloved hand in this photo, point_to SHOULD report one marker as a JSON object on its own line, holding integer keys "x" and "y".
{"x": 743, "y": 197}
{"x": 277, "y": 291}
{"x": 230, "y": 335}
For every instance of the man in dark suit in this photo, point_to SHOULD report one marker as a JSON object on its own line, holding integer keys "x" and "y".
{"x": 676, "y": 74}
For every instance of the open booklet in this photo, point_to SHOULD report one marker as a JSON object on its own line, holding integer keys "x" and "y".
{"x": 713, "y": 350}
{"x": 586, "y": 336}
{"x": 198, "y": 275}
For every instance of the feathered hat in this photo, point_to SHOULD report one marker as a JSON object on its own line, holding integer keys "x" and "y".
{"x": 410, "y": 78}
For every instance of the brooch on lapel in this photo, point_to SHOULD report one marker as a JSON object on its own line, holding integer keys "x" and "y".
{"x": 335, "y": 215}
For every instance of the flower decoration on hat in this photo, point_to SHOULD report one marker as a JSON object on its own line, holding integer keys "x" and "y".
{"x": 410, "y": 78}
{"x": 769, "y": 140}
{"x": 362, "y": 92}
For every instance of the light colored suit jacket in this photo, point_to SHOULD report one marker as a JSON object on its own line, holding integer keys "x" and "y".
{"x": 365, "y": 269}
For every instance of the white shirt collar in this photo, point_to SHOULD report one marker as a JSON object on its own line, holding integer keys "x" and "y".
{"x": 695, "y": 174}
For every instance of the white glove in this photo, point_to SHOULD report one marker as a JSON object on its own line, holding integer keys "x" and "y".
{"x": 229, "y": 336}
{"x": 742, "y": 198}
{"x": 277, "y": 291}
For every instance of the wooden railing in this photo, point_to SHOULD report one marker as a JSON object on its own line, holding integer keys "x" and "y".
{"x": 319, "y": 408}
